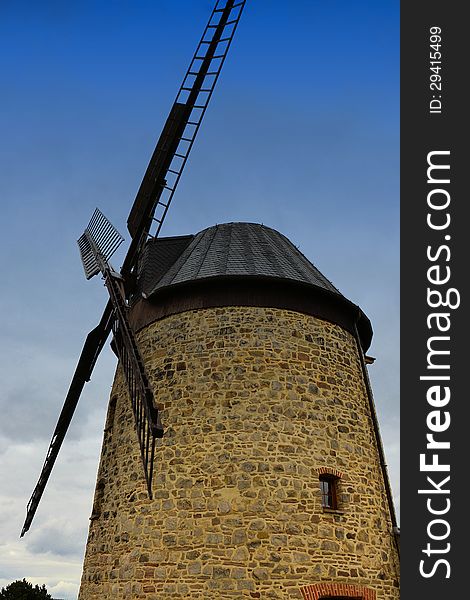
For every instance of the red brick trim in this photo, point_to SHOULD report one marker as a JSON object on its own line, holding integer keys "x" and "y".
{"x": 329, "y": 471}
{"x": 316, "y": 591}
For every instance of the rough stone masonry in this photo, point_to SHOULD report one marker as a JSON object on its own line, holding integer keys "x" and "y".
{"x": 257, "y": 403}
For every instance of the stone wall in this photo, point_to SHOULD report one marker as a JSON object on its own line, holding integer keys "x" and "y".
{"x": 256, "y": 403}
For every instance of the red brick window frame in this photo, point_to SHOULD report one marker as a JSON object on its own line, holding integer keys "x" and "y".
{"x": 330, "y": 471}
{"x": 320, "y": 591}
{"x": 329, "y": 487}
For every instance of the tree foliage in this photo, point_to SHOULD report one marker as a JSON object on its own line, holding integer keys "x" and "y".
{"x": 23, "y": 590}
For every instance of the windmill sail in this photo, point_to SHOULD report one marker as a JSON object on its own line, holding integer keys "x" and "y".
{"x": 150, "y": 206}
{"x": 97, "y": 244}
{"x": 177, "y": 138}
{"x": 100, "y": 239}
{"x": 93, "y": 345}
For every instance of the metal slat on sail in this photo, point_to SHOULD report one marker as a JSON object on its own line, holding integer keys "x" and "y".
{"x": 100, "y": 239}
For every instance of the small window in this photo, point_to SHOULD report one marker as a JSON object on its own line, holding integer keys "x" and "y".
{"x": 328, "y": 487}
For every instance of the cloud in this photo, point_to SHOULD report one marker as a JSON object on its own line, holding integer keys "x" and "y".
{"x": 52, "y": 551}
{"x": 35, "y": 388}
{"x": 59, "y": 537}
{"x": 61, "y": 521}
{"x": 35, "y": 420}
{"x": 64, "y": 589}
{"x": 60, "y": 577}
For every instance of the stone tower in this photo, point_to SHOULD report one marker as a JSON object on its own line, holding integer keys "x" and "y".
{"x": 269, "y": 481}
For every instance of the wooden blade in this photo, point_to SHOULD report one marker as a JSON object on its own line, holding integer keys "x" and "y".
{"x": 154, "y": 178}
{"x": 93, "y": 345}
{"x": 181, "y": 127}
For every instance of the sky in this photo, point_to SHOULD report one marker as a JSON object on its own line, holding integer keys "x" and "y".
{"x": 302, "y": 134}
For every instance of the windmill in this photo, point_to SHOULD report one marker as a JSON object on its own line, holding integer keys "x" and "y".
{"x": 101, "y": 239}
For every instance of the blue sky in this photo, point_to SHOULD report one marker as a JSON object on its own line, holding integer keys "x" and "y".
{"x": 302, "y": 134}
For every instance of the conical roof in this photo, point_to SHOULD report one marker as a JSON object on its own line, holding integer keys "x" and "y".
{"x": 242, "y": 252}
{"x": 231, "y": 250}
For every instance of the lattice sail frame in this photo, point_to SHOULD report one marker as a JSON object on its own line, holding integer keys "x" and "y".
{"x": 100, "y": 239}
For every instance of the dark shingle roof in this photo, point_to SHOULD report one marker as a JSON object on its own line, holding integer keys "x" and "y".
{"x": 228, "y": 250}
